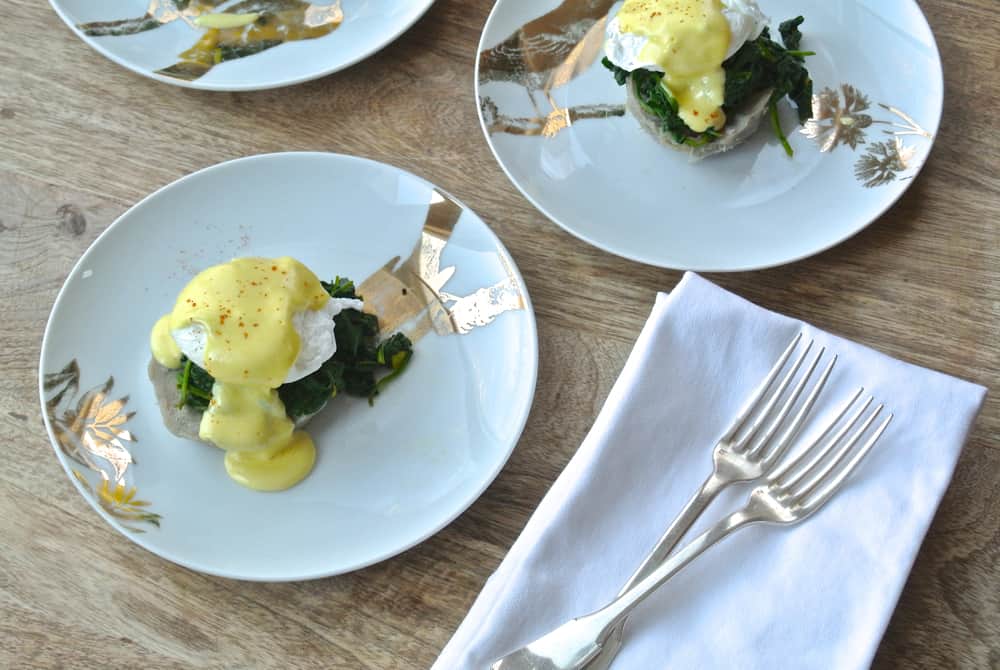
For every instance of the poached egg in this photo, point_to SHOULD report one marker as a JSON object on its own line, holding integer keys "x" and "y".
{"x": 687, "y": 40}
{"x": 314, "y": 328}
{"x": 253, "y": 324}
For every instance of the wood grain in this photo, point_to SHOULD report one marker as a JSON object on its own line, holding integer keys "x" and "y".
{"x": 83, "y": 138}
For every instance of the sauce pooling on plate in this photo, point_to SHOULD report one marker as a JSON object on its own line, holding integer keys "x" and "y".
{"x": 688, "y": 39}
{"x": 245, "y": 309}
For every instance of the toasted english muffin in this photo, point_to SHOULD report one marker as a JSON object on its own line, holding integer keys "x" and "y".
{"x": 740, "y": 124}
{"x": 184, "y": 421}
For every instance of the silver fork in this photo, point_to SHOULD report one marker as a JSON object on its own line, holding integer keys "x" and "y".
{"x": 734, "y": 460}
{"x": 794, "y": 491}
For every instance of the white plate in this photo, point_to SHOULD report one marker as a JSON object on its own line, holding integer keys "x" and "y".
{"x": 387, "y": 476}
{"x": 367, "y": 26}
{"x": 607, "y": 182}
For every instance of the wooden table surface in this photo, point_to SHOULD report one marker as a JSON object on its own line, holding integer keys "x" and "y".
{"x": 83, "y": 139}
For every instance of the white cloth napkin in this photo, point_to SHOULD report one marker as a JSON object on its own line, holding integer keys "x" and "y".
{"x": 815, "y": 595}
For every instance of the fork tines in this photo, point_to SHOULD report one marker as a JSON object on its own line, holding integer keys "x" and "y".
{"x": 811, "y": 477}
{"x": 772, "y": 403}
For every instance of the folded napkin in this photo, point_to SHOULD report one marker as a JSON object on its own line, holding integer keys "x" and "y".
{"x": 815, "y": 595}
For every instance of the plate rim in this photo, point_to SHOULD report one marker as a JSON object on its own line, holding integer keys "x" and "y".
{"x": 198, "y": 85}
{"x": 173, "y": 557}
{"x": 684, "y": 267}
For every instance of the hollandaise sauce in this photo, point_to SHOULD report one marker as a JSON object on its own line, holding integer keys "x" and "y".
{"x": 245, "y": 309}
{"x": 689, "y": 40}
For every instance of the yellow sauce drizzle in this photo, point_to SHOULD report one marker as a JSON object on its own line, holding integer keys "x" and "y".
{"x": 165, "y": 349}
{"x": 245, "y": 308}
{"x": 689, "y": 40}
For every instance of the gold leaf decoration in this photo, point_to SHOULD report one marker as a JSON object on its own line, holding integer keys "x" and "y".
{"x": 883, "y": 162}
{"x": 278, "y": 21}
{"x": 545, "y": 54}
{"x": 409, "y": 293}
{"x": 908, "y": 127}
{"x": 121, "y": 503}
{"x": 483, "y": 306}
{"x": 95, "y": 425}
{"x": 837, "y": 118}
{"x": 551, "y": 49}
{"x": 91, "y": 431}
{"x": 547, "y": 126}
{"x": 158, "y": 13}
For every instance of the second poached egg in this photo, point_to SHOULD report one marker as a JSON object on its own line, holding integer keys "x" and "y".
{"x": 687, "y": 40}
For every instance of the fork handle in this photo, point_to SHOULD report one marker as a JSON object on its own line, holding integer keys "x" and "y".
{"x": 670, "y": 538}
{"x": 680, "y": 525}
{"x": 605, "y": 619}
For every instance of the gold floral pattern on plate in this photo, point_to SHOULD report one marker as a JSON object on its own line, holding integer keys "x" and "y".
{"x": 158, "y": 13}
{"x": 542, "y": 55}
{"x": 120, "y": 502}
{"x": 410, "y": 293}
{"x": 550, "y": 125}
{"x": 883, "y": 162}
{"x": 278, "y": 21}
{"x": 91, "y": 430}
{"x": 840, "y": 117}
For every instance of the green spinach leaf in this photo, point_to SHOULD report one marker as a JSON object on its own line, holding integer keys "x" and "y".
{"x": 657, "y": 101}
{"x": 758, "y": 65}
{"x": 791, "y": 36}
{"x": 194, "y": 384}
{"x": 763, "y": 63}
{"x": 621, "y": 75}
{"x": 361, "y": 366}
{"x": 340, "y": 287}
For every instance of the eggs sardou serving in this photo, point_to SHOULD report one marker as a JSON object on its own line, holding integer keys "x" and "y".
{"x": 252, "y": 350}
{"x": 702, "y": 74}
